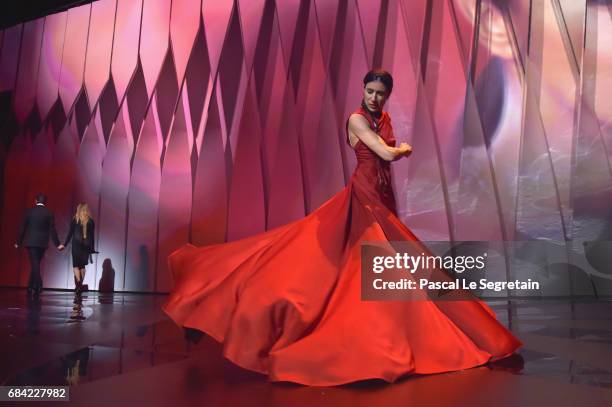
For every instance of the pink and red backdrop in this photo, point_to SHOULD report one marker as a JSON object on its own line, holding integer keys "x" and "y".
{"x": 206, "y": 121}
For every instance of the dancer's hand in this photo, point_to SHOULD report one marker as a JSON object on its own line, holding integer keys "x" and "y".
{"x": 16, "y": 246}
{"x": 61, "y": 247}
{"x": 405, "y": 148}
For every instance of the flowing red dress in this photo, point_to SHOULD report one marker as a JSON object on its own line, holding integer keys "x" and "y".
{"x": 287, "y": 303}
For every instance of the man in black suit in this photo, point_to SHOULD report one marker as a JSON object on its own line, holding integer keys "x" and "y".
{"x": 36, "y": 228}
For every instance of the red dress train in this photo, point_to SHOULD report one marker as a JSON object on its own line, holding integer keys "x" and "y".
{"x": 286, "y": 302}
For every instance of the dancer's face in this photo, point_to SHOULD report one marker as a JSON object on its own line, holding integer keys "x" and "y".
{"x": 375, "y": 95}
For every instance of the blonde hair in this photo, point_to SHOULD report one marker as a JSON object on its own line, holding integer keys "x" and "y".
{"x": 82, "y": 216}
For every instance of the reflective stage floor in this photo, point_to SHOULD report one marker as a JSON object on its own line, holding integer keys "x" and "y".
{"x": 122, "y": 350}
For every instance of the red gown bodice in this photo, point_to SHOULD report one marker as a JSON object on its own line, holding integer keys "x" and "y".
{"x": 373, "y": 174}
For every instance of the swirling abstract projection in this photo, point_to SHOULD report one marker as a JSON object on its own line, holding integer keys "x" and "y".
{"x": 150, "y": 111}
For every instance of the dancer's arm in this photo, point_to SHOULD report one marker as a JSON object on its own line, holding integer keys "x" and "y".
{"x": 359, "y": 126}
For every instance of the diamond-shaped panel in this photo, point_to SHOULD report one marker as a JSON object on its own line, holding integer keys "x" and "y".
{"x": 112, "y": 222}
{"x": 25, "y": 90}
{"x": 61, "y": 202}
{"x": 9, "y": 56}
{"x": 73, "y": 55}
{"x": 209, "y": 219}
{"x": 154, "y": 39}
{"x": 175, "y": 195}
{"x": 184, "y": 23}
{"x": 125, "y": 43}
{"x": 99, "y": 47}
{"x": 143, "y": 205}
{"x": 50, "y": 65}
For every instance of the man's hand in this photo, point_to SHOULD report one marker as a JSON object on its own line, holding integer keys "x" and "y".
{"x": 16, "y": 246}
{"x": 61, "y": 247}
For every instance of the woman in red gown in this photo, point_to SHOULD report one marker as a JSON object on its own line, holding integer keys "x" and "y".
{"x": 287, "y": 303}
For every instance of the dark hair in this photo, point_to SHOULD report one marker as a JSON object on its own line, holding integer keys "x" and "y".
{"x": 40, "y": 198}
{"x": 379, "y": 75}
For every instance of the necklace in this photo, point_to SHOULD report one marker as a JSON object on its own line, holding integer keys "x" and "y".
{"x": 375, "y": 125}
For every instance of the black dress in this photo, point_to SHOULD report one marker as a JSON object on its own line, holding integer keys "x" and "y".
{"x": 82, "y": 247}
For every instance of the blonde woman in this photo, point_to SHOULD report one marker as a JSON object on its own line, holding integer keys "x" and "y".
{"x": 82, "y": 233}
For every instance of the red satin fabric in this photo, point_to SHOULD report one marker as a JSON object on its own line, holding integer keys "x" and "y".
{"x": 286, "y": 302}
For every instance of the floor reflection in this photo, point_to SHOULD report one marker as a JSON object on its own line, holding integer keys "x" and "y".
{"x": 74, "y": 365}
{"x": 76, "y": 340}
{"x": 77, "y": 308}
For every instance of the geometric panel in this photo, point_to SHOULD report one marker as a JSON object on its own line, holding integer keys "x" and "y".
{"x": 73, "y": 56}
{"x": 143, "y": 204}
{"x": 175, "y": 194}
{"x": 250, "y": 12}
{"x": 288, "y": 13}
{"x": 285, "y": 189}
{"x": 184, "y": 23}
{"x": 25, "y": 90}
{"x": 125, "y": 43}
{"x": 209, "y": 217}
{"x": 327, "y": 16}
{"x": 369, "y": 13}
{"x": 89, "y": 176}
{"x": 61, "y": 202}
{"x": 50, "y": 61}
{"x": 216, "y": 17}
{"x": 99, "y": 47}
{"x": 113, "y": 199}
{"x": 9, "y": 56}
{"x": 154, "y": 39}
{"x": 246, "y": 199}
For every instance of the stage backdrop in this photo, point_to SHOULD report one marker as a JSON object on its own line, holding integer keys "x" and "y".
{"x": 207, "y": 121}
